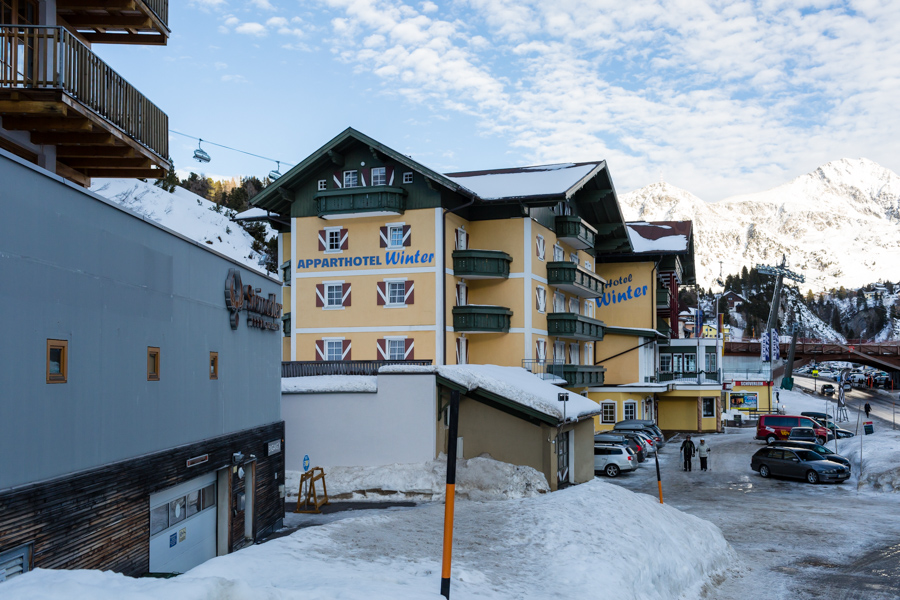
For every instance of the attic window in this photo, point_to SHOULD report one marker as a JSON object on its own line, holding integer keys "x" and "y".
{"x": 407, "y": 177}
{"x": 322, "y": 184}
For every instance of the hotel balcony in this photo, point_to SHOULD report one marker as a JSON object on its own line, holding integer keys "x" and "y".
{"x": 474, "y": 318}
{"x": 569, "y": 277}
{"x": 116, "y": 21}
{"x": 575, "y": 232}
{"x": 481, "y": 264}
{"x": 575, "y": 327}
{"x": 59, "y": 93}
{"x": 374, "y": 201}
{"x": 663, "y": 298}
{"x": 574, "y": 375}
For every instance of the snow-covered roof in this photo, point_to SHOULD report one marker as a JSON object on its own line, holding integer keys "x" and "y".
{"x": 522, "y": 182}
{"x": 659, "y": 236}
{"x": 326, "y": 384}
{"x": 513, "y": 383}
{"x": 251, "y": 214}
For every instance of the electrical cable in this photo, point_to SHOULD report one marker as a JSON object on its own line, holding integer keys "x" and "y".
{"x": 230, "y": 148}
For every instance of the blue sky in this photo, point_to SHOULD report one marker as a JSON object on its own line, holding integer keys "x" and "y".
{"x": 719, "y": 98}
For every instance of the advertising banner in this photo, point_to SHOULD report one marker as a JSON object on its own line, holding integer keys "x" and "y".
{"x": 743, "y": 400}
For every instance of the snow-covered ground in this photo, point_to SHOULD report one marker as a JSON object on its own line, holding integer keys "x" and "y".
{"x": 479, "y": 478}
{"x": 588, "y": 541}
{"x": 185, "y": 213}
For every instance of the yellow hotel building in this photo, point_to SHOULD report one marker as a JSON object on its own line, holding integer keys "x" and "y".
{"x": 385, "y": 259}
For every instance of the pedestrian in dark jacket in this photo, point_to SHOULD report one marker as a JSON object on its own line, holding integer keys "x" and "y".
{"x": 868, "y": 409}
{"x": 687, "y": 449}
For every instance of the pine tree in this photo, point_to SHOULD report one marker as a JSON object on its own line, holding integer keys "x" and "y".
{"x": 170, "y": 181}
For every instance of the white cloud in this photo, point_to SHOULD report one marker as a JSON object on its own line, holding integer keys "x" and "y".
{"x": 231, "y": 20}
{"x": 234, "y": 79}
{"x": 220, "y": 65}
{"x": 277, "y": 22}
{"x": 251, "y": 28}
{"x": 207, "y": 4}
{"x": 263, "y": 4}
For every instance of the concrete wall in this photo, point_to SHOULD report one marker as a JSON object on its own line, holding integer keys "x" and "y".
{"x": 75, "y": 267}
{"x": 584, "y": 451}
{"x": 395, "y": 425}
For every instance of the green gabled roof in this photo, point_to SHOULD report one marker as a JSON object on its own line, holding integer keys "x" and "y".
{"x": 273, "y": 199}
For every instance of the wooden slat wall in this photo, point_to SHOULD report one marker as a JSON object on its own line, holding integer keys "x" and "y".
{"x": 100, "y": 519}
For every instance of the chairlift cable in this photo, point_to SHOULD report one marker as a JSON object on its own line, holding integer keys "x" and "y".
{"x": 230, "y": 148}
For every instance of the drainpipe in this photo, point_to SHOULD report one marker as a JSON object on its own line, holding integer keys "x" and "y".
{"x": 444, "y": 270}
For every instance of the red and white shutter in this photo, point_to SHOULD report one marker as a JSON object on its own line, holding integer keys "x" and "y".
{"x": 320, "y": 349}
{"x": 407, "y": 235}
{"x": 345, "y": 298}
{"x": 339, "y": 179}
{"x": 409, "y": 296}
{"x": 461, "y": 294}
{"x": 541, "y": 350}
{"x": 363, "y": 173}
{"x": 383, "y": 232}
{"x": 462, "y": 351}
{"x": 381, "y": 299}
{"x": 540, "y": 246}
{"x": 322, "y": 243}
{"x": 408, "y": 344}
{"x": 462, "y": 239}
{"x": 382, "y": 349}
{"x": 320, "y": 295}
{"x": 345, "y": 349}
{"x": 389, "y": 175}
{"x": 345, "y": 239}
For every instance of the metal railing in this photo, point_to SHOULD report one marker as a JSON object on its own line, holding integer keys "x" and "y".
{"x": 695, "y": 377}
{"x": 308, "y": 368}
{"x": 545, "y": 368}
{"x": 39, "y": 57}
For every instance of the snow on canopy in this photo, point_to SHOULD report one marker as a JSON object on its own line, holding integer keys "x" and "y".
{"x": 319, "y": 384}
{"x": 251, "y": 214}
{"x": 513, "y": 383}
{"x": 522, "y": 182}
{"x": 660, "y": 236}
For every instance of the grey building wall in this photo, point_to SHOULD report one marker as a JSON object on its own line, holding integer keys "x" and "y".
{"x": 76, "y": 267}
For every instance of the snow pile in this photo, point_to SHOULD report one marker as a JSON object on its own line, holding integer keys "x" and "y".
{"x": 186, "y": 213}
{"x": 513, "y": 383}
{"x": 481, "y": 478}
{"x": 318, "y": 384}
{"x": 880, "y": 459}
{"x": 591, "y": 540}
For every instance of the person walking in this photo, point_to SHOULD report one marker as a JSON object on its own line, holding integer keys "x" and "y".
{"x": 703, "y": 453}
{"x": 687, "y": 449}
{"x": 868, "y": 409}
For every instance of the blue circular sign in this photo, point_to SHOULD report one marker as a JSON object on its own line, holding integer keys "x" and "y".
{"x": 306, "y": 462}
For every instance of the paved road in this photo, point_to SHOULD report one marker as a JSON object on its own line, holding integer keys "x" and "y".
{"x": 885, "y": 405}
{"x": 792, "y": 539}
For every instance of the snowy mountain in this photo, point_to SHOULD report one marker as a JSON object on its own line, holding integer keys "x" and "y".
{"x": 837, "y": 225}
{"x": 186, "y": 213}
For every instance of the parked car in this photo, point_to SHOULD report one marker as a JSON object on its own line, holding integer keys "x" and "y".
{"x": 824, "y": 451}
{"x": 778, "y": 427}
{"x": 857, "y": 378}
{"x": 834, "y": 429}
{"x": 828, "y": 390}
{"x": 803, "y": 434}
{"x": 638, "y": 444}
{"x": 612, "y": 459}
{"x": 814, "y": 415}
{"x": 652, "y": 430}
{"x": 801, "y": 464}
{"x": 649, "y": 444}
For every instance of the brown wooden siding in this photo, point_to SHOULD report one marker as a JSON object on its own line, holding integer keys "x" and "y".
{"x": 100, "y": 519}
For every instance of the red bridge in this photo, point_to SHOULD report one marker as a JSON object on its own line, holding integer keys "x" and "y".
{"x": 881, "y": 355}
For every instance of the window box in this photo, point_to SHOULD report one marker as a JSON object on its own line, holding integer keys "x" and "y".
{"x": 569, "y": 277}
{"x": 481, "y": 264}
{"x": 575, "y": 232}
{"x": 486, "y": 319}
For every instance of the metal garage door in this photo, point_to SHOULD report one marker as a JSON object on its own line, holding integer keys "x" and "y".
{"x": 183, "y": 525}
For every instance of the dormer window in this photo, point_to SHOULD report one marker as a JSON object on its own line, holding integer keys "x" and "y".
{"x": 351, "y": 179}
{"x": 323, "y": 185}
{"x": 408, "y": 177}
{"x": 379, "y": 176}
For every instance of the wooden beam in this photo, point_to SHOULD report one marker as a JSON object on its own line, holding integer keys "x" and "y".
{"x": 46, "y": 124}
{"x": 32, "y": 108}
{"x": 126, "y": 173}
{"x": 109, "y": 20}
{"x": 126, "y": 38}
{"x": 72, "y": 175}
{"x": 86, "y": 139}
{"x": 95, "y": 5}
{"x": 77, "y": 151}
{"x": 94, "y": 162}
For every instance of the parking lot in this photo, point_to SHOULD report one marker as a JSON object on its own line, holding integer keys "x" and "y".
{"x": 792, "y": 539}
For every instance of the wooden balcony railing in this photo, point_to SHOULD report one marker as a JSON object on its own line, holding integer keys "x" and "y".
{"x": 36, "y": 58}
{"x": 304, "y": 368}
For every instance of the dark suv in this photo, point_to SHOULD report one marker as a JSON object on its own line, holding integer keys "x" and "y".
{"x": 824, "y": 451}
{"x": 801, "y": 464}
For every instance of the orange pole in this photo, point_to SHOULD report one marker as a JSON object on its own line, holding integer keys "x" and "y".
{"x": 451, "y": 490}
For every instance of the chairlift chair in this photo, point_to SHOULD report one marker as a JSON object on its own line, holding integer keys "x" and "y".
{"x": 273, "y": 175}
{"x": 200, "y": 154}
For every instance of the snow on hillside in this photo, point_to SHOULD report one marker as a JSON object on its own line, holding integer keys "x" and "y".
{"x": 813, "y": 326}
{"x": 186, "y": 213}
{"x": 837, "y": 225}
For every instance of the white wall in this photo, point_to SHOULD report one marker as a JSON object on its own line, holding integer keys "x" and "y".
{"x": 394, "y": 425}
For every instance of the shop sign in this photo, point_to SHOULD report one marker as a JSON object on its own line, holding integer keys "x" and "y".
{"x": 743, "y": 400}
{"x": 752, "y": 383}
{"x": 274, "y": 447}
{"x": 393, "y": 257}
{"x": 262, "y": 313}
{"x": 198, "y": 460}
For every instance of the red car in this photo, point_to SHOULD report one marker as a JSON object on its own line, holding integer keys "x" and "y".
{"x": 778, "y": 427}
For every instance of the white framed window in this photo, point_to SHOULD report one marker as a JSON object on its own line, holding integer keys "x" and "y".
{"x": 690, "y": 363}
{"x": 396, "y": 292}
{"x": 396, "y": 349}
{"x": 574, "y": 354}
{"x": 334, "y": 349}
{"x": 589, "y": 307}
{"x": 540, "y": 246}
{"x": 351, "y": 179}
{"x": 334, "y": 295}
{"x": 709, "y": 407}
{"x": 629, "y": 410}
{"x": 589, "y": 354}
{"x": 665, "y": 363}
{"x": 608, "y": 412}
{"x": 711, "y": 361}
{"x": 677, "y": 364}
{"x": 588, "y": 266}
{"x": 323, "y": 183}
{"x": 573, "y": 256}
{"x": 334, "y": 240}
{"x": 540, "y": 296}
{"x": 462, "y": 293}
{"x": 559, "y": 302}
{"x": 395, "y": 236}
{"x": 574, "y": 305}
{"x": 462, "y": 239}
{"x": 558, "y": 253}
{"x": 379, "y": 176}
{"x": 408, "y": 177}
{"x": 563, "y": 209}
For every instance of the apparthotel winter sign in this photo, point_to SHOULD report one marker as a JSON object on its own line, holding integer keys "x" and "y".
{"x": 394, "y": 257}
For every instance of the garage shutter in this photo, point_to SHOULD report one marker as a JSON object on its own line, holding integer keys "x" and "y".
{"x": 183, "y": 525}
